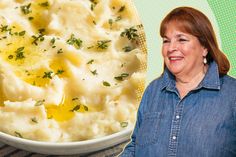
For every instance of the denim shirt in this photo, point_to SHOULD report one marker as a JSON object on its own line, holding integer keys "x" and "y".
{"x": 202, "y": 124}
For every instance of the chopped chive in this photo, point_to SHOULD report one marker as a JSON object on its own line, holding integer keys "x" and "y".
{"x": 106, "y": 83}
{"x": 18, "y": 134}
{"x": 76, "y": 108}
{"x": 59, "y": 72}
{"x": 110, "y": 21}
{"x": 122, "y": 8}
{"x": 21, "y": 33}
{"x": 44, "y": 4}
{"x": 39, "y": 102}
{"x": 52, "y": 41}
{"x": 85, "y": 108}
{"x": 124, "y": 124}
{"x": 59, "y": 51}
{"x": 127, "y": 48}
{"x": 34, "y": 120}
{"x": 10, "y": 56}
{"x": 26, "y": 9}
{"x": 75, "y": 99}
{"x": 90, "y": 62}
{"x": 130, "y": 33}
{"x": 121, "y": 77}
{"x": 30, "y": 18}
{"x": 103, "y": 44}
{"x": 76, "y": 42}
{"x": 19, "y": 53}
{"x": 94, "y": 72}
{"x": 118, "y": 18}
{"x": 48, "y": 75}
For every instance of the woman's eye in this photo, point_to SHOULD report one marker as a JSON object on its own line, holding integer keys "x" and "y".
{"x": 166, "y": 41}
{"x": 182, "y": 40}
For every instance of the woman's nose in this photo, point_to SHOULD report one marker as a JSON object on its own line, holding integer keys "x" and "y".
{"x": 172, "y": 46}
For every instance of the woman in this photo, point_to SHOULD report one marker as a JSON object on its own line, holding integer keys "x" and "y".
{"x": 190, "y": 111}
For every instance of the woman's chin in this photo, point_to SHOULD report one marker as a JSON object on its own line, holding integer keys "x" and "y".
{"x": 175, "y": 70}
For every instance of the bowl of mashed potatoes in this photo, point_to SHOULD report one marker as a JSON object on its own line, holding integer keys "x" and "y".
{"x": 72, "y": 73}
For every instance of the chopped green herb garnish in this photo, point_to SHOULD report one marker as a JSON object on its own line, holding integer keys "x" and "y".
{"x": 118, "y": 18}
{"x": 39, "y": 102}
{"x": 94, "y": 72}
{"x": 85, "y": 108}
{"x": 121, "y": 77}
{"x": 34, "y": 120}
{"x": 110, "y": 21}
{"x": 124, "y": 124}
{"x": 52, "y": 41}
{"x": 103, "y": 44}
{"x": 26, "y": 9}
{"x": 76, "y": 108}
{"x": 59, "y": 72}
{"x": 127, "y": 48}
{"x": 30, "y": 18}
{"x": 59, "y": 51}
{"x": 41, "y": 30}
{"x": 21, "y": 33}
{"x": 44, "y": 4}
{"x": 48, "y": 75}
{"x": 4, "y": 28}
{"x": 90, "y": 47}
{"x": 122, "y": 8}
{"x": 130, "y": 33}
{"x": 77, "y": 43}
{"x": 75, "y": 99}
{"x": 19, "y": 53}
{"x": 18, "y": 134}
{"x": 92, "y": 6}
{"x": 20, "y": 49}
{"x": 37, "y": 38}
{"x": 10, "y": 56}
{"x": 94, "y": 3}
{"x": 90, "y": 62}
{"x": 27, "y": 72}
{"x": 106, "y": 83}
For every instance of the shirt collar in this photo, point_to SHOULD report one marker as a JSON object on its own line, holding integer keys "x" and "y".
{"x": 210, "y": 81}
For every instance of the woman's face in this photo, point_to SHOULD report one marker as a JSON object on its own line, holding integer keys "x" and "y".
{"x": 183, "y": 54}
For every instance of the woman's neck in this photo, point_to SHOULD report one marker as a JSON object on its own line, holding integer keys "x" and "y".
{"x": 185, "y": 84}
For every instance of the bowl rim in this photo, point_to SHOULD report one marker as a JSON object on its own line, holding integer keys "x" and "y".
{"x": 11, "y": 138}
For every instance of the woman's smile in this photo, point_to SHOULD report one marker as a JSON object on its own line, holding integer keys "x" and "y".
{"x": 173, "y": 59}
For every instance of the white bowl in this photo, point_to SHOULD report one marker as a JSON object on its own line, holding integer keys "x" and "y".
{"x": 66, "y": 148}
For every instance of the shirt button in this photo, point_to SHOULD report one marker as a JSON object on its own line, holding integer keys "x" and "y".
{"x": 177, "y": 117}
{"x": 174, "y": 137}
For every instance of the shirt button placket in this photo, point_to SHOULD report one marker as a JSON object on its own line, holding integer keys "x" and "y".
{"x": 175, "y": 128}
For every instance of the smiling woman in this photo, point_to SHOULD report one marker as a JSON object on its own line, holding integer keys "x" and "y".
{"x": 190, "y": 110}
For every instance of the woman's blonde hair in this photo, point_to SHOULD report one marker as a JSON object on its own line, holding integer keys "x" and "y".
{"x": 194, "y": 22}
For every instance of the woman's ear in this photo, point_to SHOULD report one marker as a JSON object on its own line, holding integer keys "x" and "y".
{"x": 205, "y": 52}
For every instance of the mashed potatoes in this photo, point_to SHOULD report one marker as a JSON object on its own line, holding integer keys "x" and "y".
{"x": 70, "y": 70}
